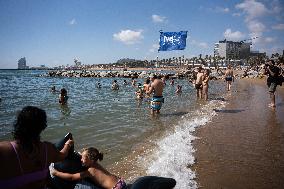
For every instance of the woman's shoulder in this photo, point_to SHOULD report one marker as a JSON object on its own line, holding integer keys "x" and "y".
{"x": 5, "y": 145}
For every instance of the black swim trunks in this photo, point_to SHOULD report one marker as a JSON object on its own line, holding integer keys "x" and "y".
{"x": 229, "y": 78}
{"x": 198, "y": 86}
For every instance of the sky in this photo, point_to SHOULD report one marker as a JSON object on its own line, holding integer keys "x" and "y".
{"x": 54, "y": 32}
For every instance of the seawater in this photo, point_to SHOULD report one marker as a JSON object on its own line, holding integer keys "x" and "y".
{"x": 114, "y": 121}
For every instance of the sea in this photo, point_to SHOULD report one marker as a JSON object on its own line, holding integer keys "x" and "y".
{"x": 134, "y": 142}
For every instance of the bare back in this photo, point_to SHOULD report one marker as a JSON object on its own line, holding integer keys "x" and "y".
{"x": 157, "y": 86}
{"x": 22, "y": 163}
{"x": 199, "y": 78}
{"x": 229, "y": 72}
{"x": 102, "y": 177}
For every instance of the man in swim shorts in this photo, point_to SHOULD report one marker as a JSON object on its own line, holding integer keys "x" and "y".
{"x": 229, "y": 77}
{"x": 272, "y": 73}
{"x": 198, "y": 83}
{"x": 157, "y": 87}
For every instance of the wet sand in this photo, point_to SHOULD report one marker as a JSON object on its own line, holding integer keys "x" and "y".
{"x": 243, "y": 147}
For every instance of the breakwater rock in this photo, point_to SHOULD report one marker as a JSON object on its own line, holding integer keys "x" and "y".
{"x": 119, "y": 74}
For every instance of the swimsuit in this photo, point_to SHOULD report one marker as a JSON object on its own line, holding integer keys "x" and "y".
{"x": 229, "y": 78}
{"x": 198, "y": 86}
{"x": 156, "y": 102}
{"x": 27, "y": 178}
{"x": 120, "y": 184}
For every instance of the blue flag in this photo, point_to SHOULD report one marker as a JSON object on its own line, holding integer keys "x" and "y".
{"x": 172, "y": 41}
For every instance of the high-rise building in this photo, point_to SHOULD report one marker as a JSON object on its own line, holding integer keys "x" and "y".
{"x": 22, "y": 63}
{"x": 232, "y": 50}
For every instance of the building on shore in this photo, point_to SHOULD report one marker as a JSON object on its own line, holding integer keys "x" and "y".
{"x": 22, "y": 63}
{"x": 232, "y": 50}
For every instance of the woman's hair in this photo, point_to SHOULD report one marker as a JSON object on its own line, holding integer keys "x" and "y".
{"x": 93, "y": 154}
{"x": 31, "y": 121}
{"x": 147, "y": 81}
{"x": 63, "y": 91}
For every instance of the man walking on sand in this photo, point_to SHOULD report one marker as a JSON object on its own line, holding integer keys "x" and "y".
{"x": 157, "y": 87}
{"x": 272, "y": 72}
{"x": 229, "y": 77}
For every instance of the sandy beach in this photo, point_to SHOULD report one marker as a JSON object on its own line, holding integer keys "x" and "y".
{"x": 243, "y": 147}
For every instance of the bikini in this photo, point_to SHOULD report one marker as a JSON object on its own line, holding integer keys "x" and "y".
{"x": 27, "y": 178}
{"x": 120, "y": 184}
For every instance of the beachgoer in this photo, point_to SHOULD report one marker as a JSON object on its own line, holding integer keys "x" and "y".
{"x": 53, "y": 90}
{"x": 139, "y": 93}
{"x": 205, "y": 82}
{"x": 63, "y": 98}
{"x": 179, "y": 89}
{"x": 157, "y": 87}
{"x": 146, "y": 87}
{"x": 164, "y": 80}
{"x": 198, "y": 82}
{"x": 133, "y": 82}
{"x": 95, "y": 171}
{"x": 24, "y": 162}
{"x": 229, "y": 77}
{"x": 99, "y": 85}
{"x": 272, "y": 72}
{"x": 125, "y": 82}
{"x": 172, "y": 82}
{"x": 115, "y": 85}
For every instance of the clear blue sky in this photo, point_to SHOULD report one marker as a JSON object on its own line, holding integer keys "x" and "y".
{"x": 53, "y": 32}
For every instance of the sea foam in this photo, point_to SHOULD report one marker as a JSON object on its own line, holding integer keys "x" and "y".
{"x": 175, "y": 153}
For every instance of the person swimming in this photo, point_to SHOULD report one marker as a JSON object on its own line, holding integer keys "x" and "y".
{"x": 115, "y": 85}
{"x": 99, "y": 85}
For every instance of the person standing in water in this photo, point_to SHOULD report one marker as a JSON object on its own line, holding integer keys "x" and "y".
{"x": 198, "y": 82}
{"x": 157, "y": 87}
{"x": 229, "y": 77}
{"x": 63, "y": 98}
{"x": 272, "y": 73}
{"x": 205, "y": 82}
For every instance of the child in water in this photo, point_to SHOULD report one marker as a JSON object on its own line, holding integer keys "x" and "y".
{"x": 63, "y": 96}
{"x": 139, "y": 93}
{"x": 95, "y": 172}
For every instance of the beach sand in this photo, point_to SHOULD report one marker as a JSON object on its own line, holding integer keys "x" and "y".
{"x": 243, "y": 147}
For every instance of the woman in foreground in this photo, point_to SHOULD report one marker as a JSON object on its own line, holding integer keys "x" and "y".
{"x": 24, "y": 162}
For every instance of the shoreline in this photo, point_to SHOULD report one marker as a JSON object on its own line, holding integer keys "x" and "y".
{"x": 243, "y": 147}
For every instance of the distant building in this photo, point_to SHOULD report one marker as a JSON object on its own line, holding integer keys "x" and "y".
{"x": 22, "y": 63}
{"x": 232, "y": 50}
{"x": 257, "y": 54}
{"x": 77, "y": 62}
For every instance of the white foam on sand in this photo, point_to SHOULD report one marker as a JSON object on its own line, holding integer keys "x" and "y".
{"x": 174, "y": 153}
